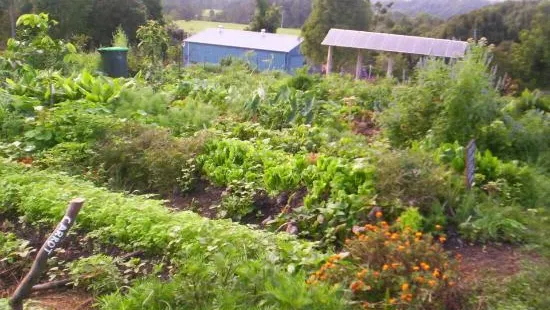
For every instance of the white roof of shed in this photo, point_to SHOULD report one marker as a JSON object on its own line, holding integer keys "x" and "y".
{"x": 395, "y": 43}
{"x": 246, "y": 39}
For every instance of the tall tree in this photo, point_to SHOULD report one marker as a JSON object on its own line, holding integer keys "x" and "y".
{"x": 266, "y": 17}
{"x": 109, "y": 14}
{"x": 154, "y": 10}
{"x": 327, "y": 14}
{"x": 72, "y": 16}
{"x": 531, "y": 57}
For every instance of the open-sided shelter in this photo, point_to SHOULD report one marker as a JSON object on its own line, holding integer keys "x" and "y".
{"x": 386, "y": 42}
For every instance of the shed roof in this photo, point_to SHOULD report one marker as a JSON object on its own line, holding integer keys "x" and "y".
{"x": 246, "y": 39}
{"x": 395, "y": 43}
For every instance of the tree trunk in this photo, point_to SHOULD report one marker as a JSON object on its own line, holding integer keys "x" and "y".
{"x": 11, "y": 12}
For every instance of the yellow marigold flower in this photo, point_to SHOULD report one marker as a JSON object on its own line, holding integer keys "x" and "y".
{"x": 385, "y": 267}
{"x": 394, "y": 236}
{"x": 436, "y": 273}
{"x": 392, "y": 301}
{"x": 401, "y": 248}
{"x": 405, "y": 287}
{"x": 438, "y": 227}
{"x": 418, "y": 235}
{"x": 416, "y": 268}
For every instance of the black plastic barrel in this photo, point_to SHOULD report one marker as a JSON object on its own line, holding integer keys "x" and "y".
{"x": 114, "y": 61}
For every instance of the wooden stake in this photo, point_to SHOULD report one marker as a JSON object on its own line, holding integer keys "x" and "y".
{"x": 39, "y": 264}
{"x": 389, "y": 73}
{"x": 329, "y": 60}
{"x": 359, "y": 65}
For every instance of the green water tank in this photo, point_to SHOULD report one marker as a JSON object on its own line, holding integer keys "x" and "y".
{"x": 114, "y": 61}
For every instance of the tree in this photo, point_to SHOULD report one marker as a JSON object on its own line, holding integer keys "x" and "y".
{"x": 72, "y": 16}
{"x": 531, "y": 57}
{"x": 266, "y": 17}
{"x": 109, "y": 14}
{"x": 326, "y": 14}
{"x": 154, "y": 10}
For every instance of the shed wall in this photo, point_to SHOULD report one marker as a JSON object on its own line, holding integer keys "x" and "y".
{"x": 262, "y": 60}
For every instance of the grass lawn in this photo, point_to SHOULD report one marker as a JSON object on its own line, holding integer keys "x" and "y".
{"x": 195, "y": 26}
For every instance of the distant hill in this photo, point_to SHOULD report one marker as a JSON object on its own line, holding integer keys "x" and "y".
{"x": 441, "y": 8}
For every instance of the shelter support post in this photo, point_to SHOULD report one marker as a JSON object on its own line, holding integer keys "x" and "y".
{"x": 389, "y": 73}
{"x": 359, "y": 65}
{"x": 329, "y": 60}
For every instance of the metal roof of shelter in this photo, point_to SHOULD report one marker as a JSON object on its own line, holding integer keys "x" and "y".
{"x": 395, "y": 43}
{"x": 246, "y": 39}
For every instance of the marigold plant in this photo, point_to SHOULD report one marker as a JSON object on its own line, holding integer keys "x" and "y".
{"x": 383, "y": 267}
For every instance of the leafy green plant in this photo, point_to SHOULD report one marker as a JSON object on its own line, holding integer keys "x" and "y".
{"x": 13, "y": 250}
{"x": 237, "y": 200}
{"x": 98, "y": 274}
{"x": 412, "y": 219}
{"x": 120, "y": 39}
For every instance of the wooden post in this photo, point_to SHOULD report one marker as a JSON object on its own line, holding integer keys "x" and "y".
{"x": 389, "y": 73}
{"x": 359, "y": 65}
{"x": 25, "y": 287}
{"x": 329, "y": 60}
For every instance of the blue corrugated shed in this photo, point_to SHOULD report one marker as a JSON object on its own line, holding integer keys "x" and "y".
{"x": 264, "y": 51}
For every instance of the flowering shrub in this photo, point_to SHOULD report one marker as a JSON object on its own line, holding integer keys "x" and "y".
{"x": 384, "y": 267}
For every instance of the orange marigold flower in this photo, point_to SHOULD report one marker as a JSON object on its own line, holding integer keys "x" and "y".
{"x": 401, "y": 248}
{"x": 405, "y": 287}
{"x": 416, "y": 268}
{"x": 379, "y": 214}
{"x": 357, "y": 286}
{"x": 436, "y": 273}
{"x": 425, "y": 266}
{"x": 385, "y": 267}
{"x": 376, "y": 274}
{"x": 442, "y": 239}
{"x": 420, "y": 279}
{"x": 432, "y": 283}
{"x": 392, "y": 301}
{"x": 395, "y": 265}
{"x": 418, "y": 235}
{"x": 394, "y": 236}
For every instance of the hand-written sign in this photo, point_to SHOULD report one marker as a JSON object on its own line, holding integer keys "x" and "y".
{"x": 57, "y": 235}
{"x": 470, "y": 164}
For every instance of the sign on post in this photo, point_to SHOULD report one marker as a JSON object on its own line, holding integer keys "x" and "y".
{"x": 470, "y": 164}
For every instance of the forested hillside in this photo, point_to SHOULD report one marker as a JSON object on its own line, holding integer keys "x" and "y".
{"x": 440, "y": 8}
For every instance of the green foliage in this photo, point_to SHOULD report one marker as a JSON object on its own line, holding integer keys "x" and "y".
{"x": 144, "y": 159}
{"x": 13, "y": 250}
{"x": 413, "y": 178}
{"x": 531, "y": 57}
{"x": 135, "y": 222}
{"x": 153, "y": 40}
{"x": 34, "y": 45}
{"x": 329, "y": 14}
{"x": 225, "y": 283}
{"x": 97, "y": 274}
